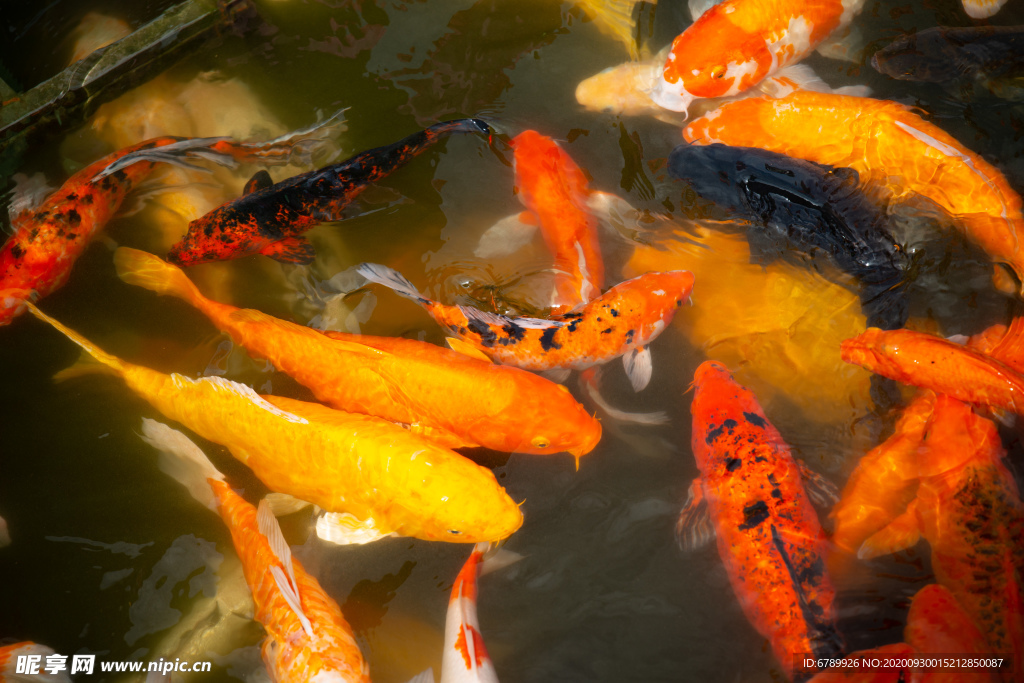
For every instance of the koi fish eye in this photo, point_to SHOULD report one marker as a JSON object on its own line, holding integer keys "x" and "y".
{"x": 718, "y": 72}
{"x": 540, "y": 442}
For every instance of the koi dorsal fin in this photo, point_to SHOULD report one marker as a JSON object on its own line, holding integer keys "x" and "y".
{"x": 260, "y": 180}
{"x": 269, "y": 527}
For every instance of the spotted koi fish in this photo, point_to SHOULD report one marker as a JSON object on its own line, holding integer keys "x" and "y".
{"x": 931, "y": 362}
{"x": 750, "y": 494}
{"x": 401, "y": 380}
{"x": 270, "y": 218}
{"x": 734, "y": 45}
{"x": 308, "y": 639}
{"x": 465, "y": 658}
{"x": 937, "y": 624}
{"x": 37, "y": 259}
{"x": 969, "y": 510}
{"x": 555, "y": 191}
{"x": 379, "y": 477}
{"x": 893, "y": 150}
{"x": 621, "y": 322}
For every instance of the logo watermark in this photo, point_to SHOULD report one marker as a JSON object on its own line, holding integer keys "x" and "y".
{"x": 86, "y": 664}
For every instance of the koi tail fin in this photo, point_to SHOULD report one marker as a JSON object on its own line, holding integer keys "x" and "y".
{"x": 183, "y": 461}
{"x": 615, "y": 18}
{"x": 114, "y": 363}
{"x": 391, "y": 278}
{"x": 297, "y": 147}
{"x": 146, "y": 270}
{"x": 590, "y": 380}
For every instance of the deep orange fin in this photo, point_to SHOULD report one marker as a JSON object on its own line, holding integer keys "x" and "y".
{"x": 467, "y": 349}
{"x": 902, "y": 533}
{"x": 291, "y": 250}
{"x": 693, "y": 528}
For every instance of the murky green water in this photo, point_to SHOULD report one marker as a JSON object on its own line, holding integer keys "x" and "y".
{"x": 109, "y": 555}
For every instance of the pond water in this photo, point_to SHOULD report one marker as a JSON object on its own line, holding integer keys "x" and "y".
{"x": 109, "y": 556}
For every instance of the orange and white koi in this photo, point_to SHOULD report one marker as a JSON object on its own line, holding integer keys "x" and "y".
{"x": 465, "y": 658}
{"x": 734, "y": 45}
{"x": 555, "y": 191}
{"x": 768, "y": 534}
{"x": 937, "y": 624}
{"x": 308, "y": 638}
{"x": 892, "y": 149}
{"x": 969, "y": 510}
{"x": 621, "y": 322}
{"x": 928, "y": 361}
{"x": 386, "y": 479}
{"x": 982, "y": 9}
{"x": 9, "y": 672}
{"x": 401, "y": 380}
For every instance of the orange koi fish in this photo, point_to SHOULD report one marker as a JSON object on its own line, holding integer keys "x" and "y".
{"x": 768, "y": 534}
{"x": 555, "y": 190}
{"x": 9, "y": 671}
{"x": 893, "y": 150}
{"x": 884, "y": 481}
{"x": 465, "y": 658}
{"x": 37, "y": 259}
{"x": 968, "y": 508}
{"x": 937, "y": 625}
{"x": 932, "y": 362}
{"x": 858, "y": 675}
{"x": 621, "y": 322}
{"x": 387, "y": 480}
{"x": 734, "y": 45}
{"x": 308, "y": 638}
{"x": 400, "y": 380}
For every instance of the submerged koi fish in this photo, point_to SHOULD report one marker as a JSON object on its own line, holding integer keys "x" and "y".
{"x": 937, "y": 624}
{"x": 465, "y": 658}
{"x": 389, "y": 480}
{"x": 793, "y": 204}
{"x": 885, "y": 479}
{"x": 734, "y": 45}
{"x": 768, "y": 534}
{"x": 969, "y": 510}
{"x": 891, "y": 148}
{"x": 555, "y": 191}
{"x": 9, "y": 655}
{"x": 400, "y": 380}
{"x": 621, "y": 322}
{"x": 931, "y": 362}
{"x": 37, "y": 259}
{"x": 308, "y": 639}
{"x": 270, "y": 218}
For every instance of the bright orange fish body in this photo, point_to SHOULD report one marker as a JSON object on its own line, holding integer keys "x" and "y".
{"x": 383, "y": 475}
{"x": 400, "y": 380}
{"x": 890, "y": 147}
{"x": 734, "y": 45}
{"x": 885, "y": 479}
{"x": 555, "y": 190}
{"x": 621, "y": 322}
{"x": 945, "y": 367}
{"x": 938, "y": 625}
{"x": 768, "y": 534}
{"x": 969, "y": 510}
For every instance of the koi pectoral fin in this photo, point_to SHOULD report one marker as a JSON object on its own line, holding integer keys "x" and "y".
{"x": 903, "y": 532}
{"x": 467, "y": 349}
{"x": 693, "y": 528}
{"x": 282, "y": 504}
{"x": 637, "y": 362}
{"x": 344, "y": 528}
{"x": 822, "y": 492}
{"x": 291, "y": 250}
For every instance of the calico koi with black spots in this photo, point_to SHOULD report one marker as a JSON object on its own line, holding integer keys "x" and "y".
{"x": 621, "y": 322}
{"x": 270, "y": 218}
{"x": 768, "y": 534}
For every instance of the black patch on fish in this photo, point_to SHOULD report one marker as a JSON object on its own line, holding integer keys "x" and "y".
{"x": 756, "y": 419}
{"x": 776, "y": 493}
{"x": 487, "y": 336}
{"x": 716, "y": 432}
{"x": 610, "y": 329}
{"x": 629, "y": 336}
{"x": 17, "y": 251}
{"x": 572, "y": 325}
{"x": 514, "y": 332}
{"x": 72, "y": 196}
{"x": 570, "y": 316}
{"x": 615, "y": 314}
{"x": 733, "y": 464}
{"x": 754, "y": 514}
{"x": 86, "y": 199}
{"x": 547, "y": 340}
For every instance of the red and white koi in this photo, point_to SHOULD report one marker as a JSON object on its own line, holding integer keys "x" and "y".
{"x": 465, "y": 658}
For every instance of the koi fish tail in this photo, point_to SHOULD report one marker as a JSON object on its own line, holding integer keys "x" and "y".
{"x": 146, "y": 270}
{"x": 183, "y": 461}
{"x": 297, "y": 147}
{"x": 392, "y": 279}
{"x": 615, "y": 17}
{"x": 590, "y": 380}
{"x": 112, "y": 363}
{"x": 174, "y": 153}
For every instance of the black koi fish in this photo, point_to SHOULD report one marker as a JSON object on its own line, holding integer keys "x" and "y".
{"x": 795, "y": 204}
{"x": 987, "y": 55}
{"x": 270, "y": 218}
